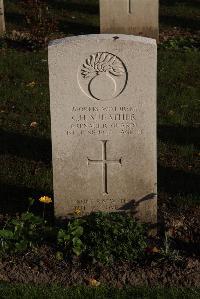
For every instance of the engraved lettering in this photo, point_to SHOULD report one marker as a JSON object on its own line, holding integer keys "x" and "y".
{"x": 104, "y": 120}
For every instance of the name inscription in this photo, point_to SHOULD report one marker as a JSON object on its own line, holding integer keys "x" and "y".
{"x": 104, "y": 120}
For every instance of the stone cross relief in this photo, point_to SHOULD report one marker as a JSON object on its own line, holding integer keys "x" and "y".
{"x": 104, "y": 162}
{"x": 130, "y": 6}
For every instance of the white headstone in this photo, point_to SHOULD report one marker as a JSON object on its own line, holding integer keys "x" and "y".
{"x": 2, "y": 20}
{"x": 103, "y": 119}
{"x": 138, "y": 17}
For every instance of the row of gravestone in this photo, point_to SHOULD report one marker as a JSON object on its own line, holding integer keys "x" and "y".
{"x": 138, "y": 17}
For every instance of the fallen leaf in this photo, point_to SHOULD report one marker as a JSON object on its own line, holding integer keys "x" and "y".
{"x": 93, "y": 282}
{"x": 31, "y": 84}
{"x": 152, "y": 250}
{"x": 171, "y": 112}
{"x": 33, "y": 124}
{"x": 155, "y": 250}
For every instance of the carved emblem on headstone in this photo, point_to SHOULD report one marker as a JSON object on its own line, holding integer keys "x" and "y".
{"x": 103, "y": 76}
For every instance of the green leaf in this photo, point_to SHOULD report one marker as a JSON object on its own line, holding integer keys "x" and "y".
{"x": 31, "y": 201}
{"x": 78, "y": 231}
{"x": 63, "y": 236}
{"x": 77, "y": 251}
{"x": 59, "y": 256}
{"x": 76, "y": 241}
{"x": 7, "y": 234}
{"x": 21, "y": 246}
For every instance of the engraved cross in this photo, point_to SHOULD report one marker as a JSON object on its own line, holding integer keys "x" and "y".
{"x": 129, "y": 6}
{"x": 104, "y": 163}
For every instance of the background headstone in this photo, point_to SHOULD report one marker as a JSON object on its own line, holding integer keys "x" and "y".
{"x": 137, "y": 17}
{"x": 2, "y": 20}
{"x": 103, "y": 119}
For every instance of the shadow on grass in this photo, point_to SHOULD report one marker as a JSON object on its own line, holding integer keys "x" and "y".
{"x": 72, "y": 6}
{"x": 16, "y": 19}
{"x": 180, "y": 22}
{"x": 14, "y": 199}
{"x": 191, "y": 3}
{"x": 179, "y": 135}
{"x": 29, "y": 147}
{"x": 177, "y": 182}
{"x": 76, "y": 28}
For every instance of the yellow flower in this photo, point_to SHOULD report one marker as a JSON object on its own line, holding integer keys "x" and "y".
{"x": 45, "y": 199}
{"x": 93, "y": 282}
{"x": 77, "y": 211}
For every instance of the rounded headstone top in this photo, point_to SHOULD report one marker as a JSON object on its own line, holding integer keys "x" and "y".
{"x": 114, "y": 37}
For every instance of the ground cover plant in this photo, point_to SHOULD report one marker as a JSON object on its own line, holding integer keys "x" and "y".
{"x": 25, "y": 150}
{"x": 99, "y": 237}
{"x": 22, "y": 233}
{"x": 105, "y": 237}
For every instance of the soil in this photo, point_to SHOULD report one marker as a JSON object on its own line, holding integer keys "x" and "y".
{"x": 42, "y": 267}
{"x": 167, "y": 34}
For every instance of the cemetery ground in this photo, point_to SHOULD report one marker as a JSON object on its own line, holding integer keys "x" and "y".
{"x": 26, "y": 169}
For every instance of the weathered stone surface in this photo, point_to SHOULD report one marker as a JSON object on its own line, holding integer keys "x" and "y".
{"x": 138, "y": 17}
{"x": 2, "y": 20}
{"x": 103, "y": 119}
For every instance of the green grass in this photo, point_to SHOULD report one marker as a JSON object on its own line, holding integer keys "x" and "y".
{"x": 178, "y": 123}
{"x": 25, "y": 151}
{"x": 182, "y": 14}
{"x": 71, "y": 17}
{"x": 56, "y": 292}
